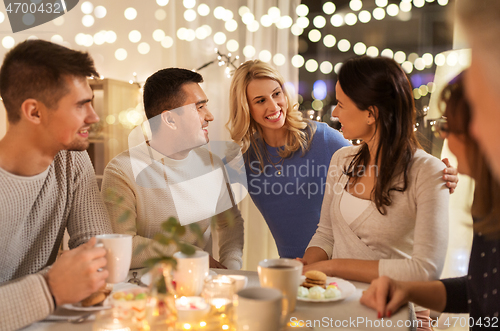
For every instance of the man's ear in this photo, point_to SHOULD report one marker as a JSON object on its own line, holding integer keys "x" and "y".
{"x": 372, "y": 114}
{"x": 31, "y": 110}
{"x": 168, "y": 118}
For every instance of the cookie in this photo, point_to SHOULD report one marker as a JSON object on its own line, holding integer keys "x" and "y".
{"x": 314, "y": 278}
{"x": 308, "y": 285}
{"x": 316, "y": 275}
{"x": 94, "y": 299}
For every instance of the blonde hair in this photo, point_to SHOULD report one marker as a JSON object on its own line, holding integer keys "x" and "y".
{"x": 243, "y": 127}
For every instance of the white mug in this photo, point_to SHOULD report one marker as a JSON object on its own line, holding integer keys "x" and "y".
{"x": 259, "y": 308}
{"x": 240, "y": 282}
{"x": 284, "y": 275}
{"x": 118, "y": 255}
{"x": 190, "y": 273}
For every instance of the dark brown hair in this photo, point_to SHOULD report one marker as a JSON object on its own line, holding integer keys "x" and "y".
{"x": 486, "y": 205}
{"x": 381, "y": 83}
{"x": 36, "y": 69}
{"x": 163, "y": 89}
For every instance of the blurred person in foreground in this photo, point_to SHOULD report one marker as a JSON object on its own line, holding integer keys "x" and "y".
{"x": 481, "y": 22}
{"x": 476, "y": 293}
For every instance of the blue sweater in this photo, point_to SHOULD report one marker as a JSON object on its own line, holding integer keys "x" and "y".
{"x": 291, "y": 201}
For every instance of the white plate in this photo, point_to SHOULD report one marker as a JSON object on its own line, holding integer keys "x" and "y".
{"x": 78, "y": 307}
{"x": 146, "y": 278}
{"x": 346, "y": 289}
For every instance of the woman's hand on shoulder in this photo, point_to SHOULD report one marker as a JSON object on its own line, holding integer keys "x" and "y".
{"x": 450, "y": 176}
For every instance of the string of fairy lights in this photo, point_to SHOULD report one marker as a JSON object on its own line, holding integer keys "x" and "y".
{"x": 359, "y": 12}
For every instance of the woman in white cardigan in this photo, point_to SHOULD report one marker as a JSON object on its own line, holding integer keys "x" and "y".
{"x": 385, "y": 210}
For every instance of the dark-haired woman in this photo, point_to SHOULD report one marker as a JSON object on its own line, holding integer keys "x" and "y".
{"x": 385, "y": 210}
{"x": 478, "y": 292}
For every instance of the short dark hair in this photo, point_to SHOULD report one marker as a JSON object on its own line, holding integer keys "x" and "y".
{"x": 36, "y": 69}
{"x": 163, "y": 89}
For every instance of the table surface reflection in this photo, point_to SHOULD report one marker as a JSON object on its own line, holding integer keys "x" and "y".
{"x": 344, "y": 314}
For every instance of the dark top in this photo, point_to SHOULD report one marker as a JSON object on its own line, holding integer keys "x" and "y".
{"x": 477, "y": 293}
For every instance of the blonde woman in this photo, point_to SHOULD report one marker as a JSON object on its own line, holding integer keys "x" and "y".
{"x": 286, "y": 156}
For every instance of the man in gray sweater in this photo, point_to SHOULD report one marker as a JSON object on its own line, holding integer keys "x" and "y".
{"x": 47, "y": 183}
{"x": 171, "y": 174}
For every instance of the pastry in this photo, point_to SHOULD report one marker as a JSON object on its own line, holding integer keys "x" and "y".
{"x": 93, "y": 299}
{"x": 96, "y": 297}
{"x": 314, "y": 278}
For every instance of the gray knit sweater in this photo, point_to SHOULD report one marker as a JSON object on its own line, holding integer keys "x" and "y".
{"x": 34, "y": 212}
{"x": 149, "y": 201}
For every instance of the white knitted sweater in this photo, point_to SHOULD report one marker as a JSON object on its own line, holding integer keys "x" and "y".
{"x": 146, "y": 182}
{"x": 409, "y": 241}
{"x": 34, "y": 212}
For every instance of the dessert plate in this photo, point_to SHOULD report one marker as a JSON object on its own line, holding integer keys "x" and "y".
{"x": 78, "y": 307}
{"x": 346, "y": 289}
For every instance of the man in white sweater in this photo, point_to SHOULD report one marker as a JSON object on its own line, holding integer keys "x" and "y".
{"x": 173, "y": 175}
{"x": 47, "y": 184}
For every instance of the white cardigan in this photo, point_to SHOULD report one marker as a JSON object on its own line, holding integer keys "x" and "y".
{"x": 410, "y": 241}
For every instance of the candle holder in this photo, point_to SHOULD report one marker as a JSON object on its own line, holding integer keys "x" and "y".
{"x": 218, "y": 292}
{"x": 109, "y": 320}
{"x": 161, "y": 313}
{"x": 191, "y": 313}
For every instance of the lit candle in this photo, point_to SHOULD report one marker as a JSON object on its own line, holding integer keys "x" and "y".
{"x": 219, "y": 303}
{"x": 190, "y": 311}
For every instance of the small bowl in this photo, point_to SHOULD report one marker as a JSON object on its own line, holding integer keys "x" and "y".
{"x": 191, "y": 309}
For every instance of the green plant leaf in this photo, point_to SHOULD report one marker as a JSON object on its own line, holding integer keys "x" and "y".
{"x": 162, "y": 239}
{"x": 196, "y": 230}
{"x": 159, "y": 252}
{"x": 124, "y": 216}
{"x": 180, "y": 230}
{"x": 170, "y": 225}
{"x": 151, "y": 262}
{"x": 170, "y": 260}
{"x": 140, "y": 248}
{"x": 187, "y": 249}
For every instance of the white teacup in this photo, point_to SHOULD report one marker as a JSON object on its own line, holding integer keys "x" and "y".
{"x": 118, "y": 256}
{"x": 284, "y": 275}
{"x": 240, "y": 282}
{"x": 259, "y": 308}
{"x": 191, "y": 273}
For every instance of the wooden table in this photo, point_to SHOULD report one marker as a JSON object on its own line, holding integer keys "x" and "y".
{"x": 344, "y": 314}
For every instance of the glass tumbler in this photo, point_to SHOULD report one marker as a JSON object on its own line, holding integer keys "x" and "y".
{"x": 219, "y": 292}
